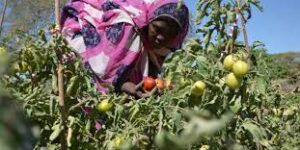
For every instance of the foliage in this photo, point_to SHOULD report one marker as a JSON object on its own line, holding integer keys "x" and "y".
{"x": 220, "y": 118}
{"x": 218, "y": 17}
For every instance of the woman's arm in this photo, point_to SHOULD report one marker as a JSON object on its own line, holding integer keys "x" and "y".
{"x": 133, "y": 89}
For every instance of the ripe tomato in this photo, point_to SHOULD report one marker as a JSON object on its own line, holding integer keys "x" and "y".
{"x": 229, "y": 61}
{"x": 149, "y": 83}
{"x": 198, "y": 88}
{"x": 240, "y": 68}
{"x": 232, "y": 81}
{"x": 160, "y": 84}
{"x": 104, "y": 106}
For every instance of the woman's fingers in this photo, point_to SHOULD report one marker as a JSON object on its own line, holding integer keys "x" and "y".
{"x": 139, "y": 85}
{"x": 153, "y": 90}
{"x": 68, "y": 57}
{"x": 140, "y": 94}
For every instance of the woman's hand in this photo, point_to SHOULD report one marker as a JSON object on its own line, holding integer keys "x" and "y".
{"x": 136, "y": 90}
{"x": 66, "y": 58}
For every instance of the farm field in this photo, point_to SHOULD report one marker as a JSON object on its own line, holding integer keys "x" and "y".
{"x": 215, "y": 93}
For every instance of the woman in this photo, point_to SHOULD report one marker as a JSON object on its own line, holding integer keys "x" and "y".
{"x": 124, "y": 41}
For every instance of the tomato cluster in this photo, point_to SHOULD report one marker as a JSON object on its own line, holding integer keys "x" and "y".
{"x": 150, "y": 83}
{"x": 239, "y": 69}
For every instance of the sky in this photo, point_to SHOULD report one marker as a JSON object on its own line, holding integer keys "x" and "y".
{"x": 278, "y": 26}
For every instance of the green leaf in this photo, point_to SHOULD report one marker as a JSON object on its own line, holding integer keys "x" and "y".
{"x": 236, "y": 104}
{"x": 230, "y": 16}
{"x": 56, "y": 131}
{"x": 72, "y": 86}
{"x": 88, "y": 126}
{"x": 54, "y": 83}
{"x": 257, "y": 133}
{"x": 260, "y": 85}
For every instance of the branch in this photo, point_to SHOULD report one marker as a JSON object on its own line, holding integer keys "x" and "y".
{"x": 243, "y": 20}
{"x": 60, "y": 73}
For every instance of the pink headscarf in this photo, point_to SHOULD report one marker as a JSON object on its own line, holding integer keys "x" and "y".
{"x": 106, "y": 34}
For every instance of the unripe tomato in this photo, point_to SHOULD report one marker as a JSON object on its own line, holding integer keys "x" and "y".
{"x": 240, "y": 68}
{"x": 232, "y": 81}
{"x": 160, "y": 84}
{"x": 229, "y": 61}
{"x": 169, "y": 84}
{"x": 118, "y": 141}
{"x": 198, "y": 88}
{"x": 104, "y": 106}
{"x": 204, "y": 147}
{"x": 183, "y": 82}
{"x": 149, "y": 83}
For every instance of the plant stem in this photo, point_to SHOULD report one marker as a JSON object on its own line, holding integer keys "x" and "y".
{"x": 62, "y": 105}
{"x": 77, "y": 105}
{"x": 245, "y": 34}
{"x": 60, "y": 73}
{"x": 3, "y": 14}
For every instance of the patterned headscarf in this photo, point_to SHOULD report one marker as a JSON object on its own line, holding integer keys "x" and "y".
{"x": 106, "y": 35}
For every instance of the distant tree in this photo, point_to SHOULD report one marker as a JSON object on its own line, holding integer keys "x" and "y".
{"x": 28, "y": 15}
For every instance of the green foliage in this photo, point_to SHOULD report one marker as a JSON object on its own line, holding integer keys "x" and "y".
{"x": 216, "y": 17}
{"x": 15, "y": 129}
{"x": 221, "y": 118}
{"x": 262, "y": 60}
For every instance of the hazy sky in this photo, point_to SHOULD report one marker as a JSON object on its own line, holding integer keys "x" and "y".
{"x": 278, "y": 26}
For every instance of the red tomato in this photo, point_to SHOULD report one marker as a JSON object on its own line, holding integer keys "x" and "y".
{"x": 149, "y": 83}
{"x": 160, "y": 84}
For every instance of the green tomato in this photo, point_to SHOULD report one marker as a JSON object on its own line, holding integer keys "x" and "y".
{"x": 198, "y": 88}
{"x": 232, "y": 81}
{"x": 204, "y": 147}
{"x": 183, "y": 82}
{"x": 104, "y": 106}
{"x": 118, "y": 141}
{"x": 229, "y": 61}
{"x": 240, "y": 68}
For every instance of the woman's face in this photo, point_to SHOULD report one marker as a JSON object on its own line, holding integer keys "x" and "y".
{"x": 161, "y": 32}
